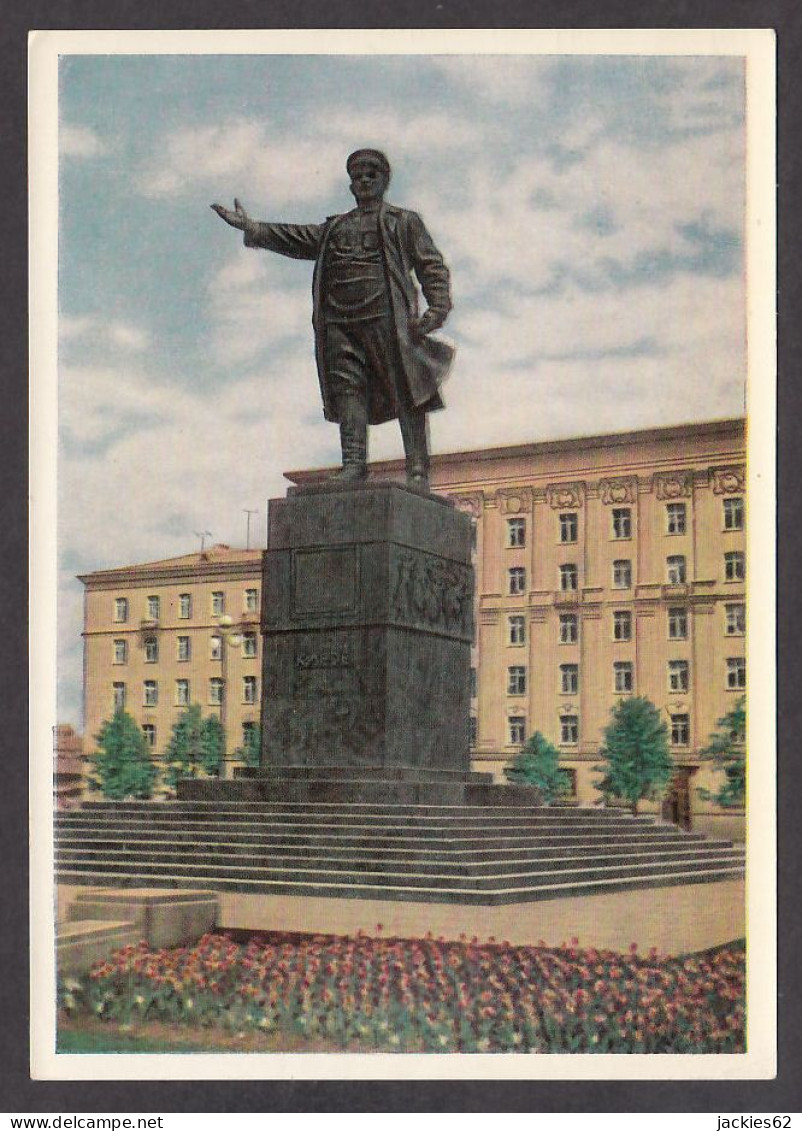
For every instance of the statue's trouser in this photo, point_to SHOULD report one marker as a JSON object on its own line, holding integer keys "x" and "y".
{"x": 356, "y": 355}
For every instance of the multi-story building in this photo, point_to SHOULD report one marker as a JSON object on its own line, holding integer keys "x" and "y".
{"x": 163, "y": 635}
{"x": 606, "y": 567}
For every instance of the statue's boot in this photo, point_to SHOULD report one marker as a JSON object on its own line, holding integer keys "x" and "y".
{"x": 416, "y": 449}
{"x": 353, "y": 414}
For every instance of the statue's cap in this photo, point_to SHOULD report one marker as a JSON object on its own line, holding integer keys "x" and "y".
{"x": 374, "y": 155}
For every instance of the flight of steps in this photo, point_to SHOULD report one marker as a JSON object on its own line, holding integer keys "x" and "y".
{"x": 425, "y": 853}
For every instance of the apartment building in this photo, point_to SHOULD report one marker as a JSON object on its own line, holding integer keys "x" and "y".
{"x": 163, "y": 635}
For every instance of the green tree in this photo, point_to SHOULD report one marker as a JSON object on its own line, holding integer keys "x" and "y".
{"x": 122, "y": 766}
{"x": 538, "y": 764}
{"x": 251, "y": 750}
{"x": 636, "y": 751}
{"x": 727, "y": 748}
{"x": 197, "y": 745}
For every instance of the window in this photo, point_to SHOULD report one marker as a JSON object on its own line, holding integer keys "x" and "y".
{"x": 569, "y": 628}
{"x": 251, "y": 600}
{"x": 736, "y": 673}
{"x": 733, "y": 514}
{"x": 569, "y": 578}
{"x": 184, "y": 647}
{"x": 185, "y": 606}
{"x": 121, "y": 609}
{"x": 675, "y": 518}
{"x": 678, "y": 678}
{"x": 569, "y": 679}
{"x": 734, "y": 566}
{"x": 517, "y": 730}
{"x": 119, "y": 696}
{"x": 473, "y": 683}
{"x": 516, "y": 680}
{"x": 473, "y": 729}
{"x": 623, "y": 678}
{"x": 622, "y": 574}
{"x": 149, "y": 731}
{"x": 622, "y": 625}
{"x": 569, "y": 730}
{"x": 182, "y": 693}
{"x": 249, "y": 645}
{"x": 218, "y": 603}
{"x": 517, "y": 627}
{"x": 676, "y": 571}
{"x": 216, "y": 691}
{"x": 680, "y": 730}
{"x": 120, "y": 651}
{"x": 517, "y": 576}
{"x": 677, "y": 624}
{"x": 151, "y": 650}
{"x": 622, "y": 522}
{"x": 150, "y": 693}
{"x": 735, "y": 624}
{"x": 248, "y": 730}
{"x": 249, "y": 689}
{"x": 154, "y": 607}
{"x": 516, "y": 531}
{"x": 568, "y": 527}
{"x": 216, "y": 648}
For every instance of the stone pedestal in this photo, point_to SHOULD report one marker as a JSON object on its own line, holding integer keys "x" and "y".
{"x": 367, "y": 622}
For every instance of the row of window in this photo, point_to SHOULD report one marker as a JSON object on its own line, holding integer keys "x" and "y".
{"x": 734, "y": 625}
{"x": 624, "y": 676}
{"x": 150, "y": 692}
{"x": 680, "y": 732}
{"x": 676, "y": 573}
{"x": 676, "y": 522}
{"x": 149, "y": 730}
{"x": 184, "y": 648}
{"x": 122, "y": 606}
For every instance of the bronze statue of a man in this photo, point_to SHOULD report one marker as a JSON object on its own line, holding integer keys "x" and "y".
{"x": 374, "y": 357}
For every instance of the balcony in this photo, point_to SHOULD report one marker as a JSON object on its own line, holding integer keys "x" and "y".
{"x": 566, "y": 598}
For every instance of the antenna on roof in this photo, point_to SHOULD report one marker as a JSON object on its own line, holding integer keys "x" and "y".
{"x": 203, "y": 535}
{"x": 248, "y": 514}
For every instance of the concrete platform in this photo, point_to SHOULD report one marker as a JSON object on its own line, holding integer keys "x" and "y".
{"x": 675, "y": 920}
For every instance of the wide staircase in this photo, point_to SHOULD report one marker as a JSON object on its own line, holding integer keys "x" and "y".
{"x": 463, "y": 854}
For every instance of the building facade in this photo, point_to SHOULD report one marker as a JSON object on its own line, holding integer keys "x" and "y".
{"x": 163, "y": 635}
{"x": 605, "y": 567}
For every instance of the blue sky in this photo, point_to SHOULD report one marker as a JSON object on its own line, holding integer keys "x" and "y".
{"x": 591, "y": 209}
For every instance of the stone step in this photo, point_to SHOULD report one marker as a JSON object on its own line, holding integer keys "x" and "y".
{"x": 411, "y": 892}
{"x": 259, "y": 810}
{"x": 144, "y": 854}
{"x": 125, "y": 863}
{"x": 395, "y": 857}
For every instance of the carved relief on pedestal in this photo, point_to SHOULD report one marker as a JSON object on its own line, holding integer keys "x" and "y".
{"x": 468, "y": 504}
{"x": 565, "y": 496}
{"x": 432, "y": 592}
{"x": 673, "y": 484}
{"x": 617, "y": 491}
{"x": 514, "y": 500}
{"x": 729, "y": 480}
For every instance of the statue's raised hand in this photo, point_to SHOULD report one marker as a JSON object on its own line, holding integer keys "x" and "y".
{"x": 239, "y": 218}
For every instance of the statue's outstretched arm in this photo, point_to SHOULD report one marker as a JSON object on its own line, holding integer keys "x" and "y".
{"x": 298, "y": 241}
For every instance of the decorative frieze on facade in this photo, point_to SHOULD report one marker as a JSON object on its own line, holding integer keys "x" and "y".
{"x": 729, "y": 480}
{"x": 565, "y": 496}
{"x": 517, "y": 500}
{"x": 614, "y": 492}
{"x": 468, "y": 504}
{"x": 673, "y": 484}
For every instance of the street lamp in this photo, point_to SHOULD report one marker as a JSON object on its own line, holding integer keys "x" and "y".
{"x": 230, "y": 638}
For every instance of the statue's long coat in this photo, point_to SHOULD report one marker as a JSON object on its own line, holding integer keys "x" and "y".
{"x": 407, "y": 247}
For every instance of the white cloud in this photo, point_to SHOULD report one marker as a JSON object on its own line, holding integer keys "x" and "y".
{"x": 79, "y": 141}
{"x": 514, "y": 80}
{"x": 91, "y": 329}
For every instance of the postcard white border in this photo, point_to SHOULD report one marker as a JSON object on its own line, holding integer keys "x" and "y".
{"x": 758, "y": 47}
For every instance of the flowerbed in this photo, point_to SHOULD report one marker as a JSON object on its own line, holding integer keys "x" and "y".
{"x": 428, "y": 995}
